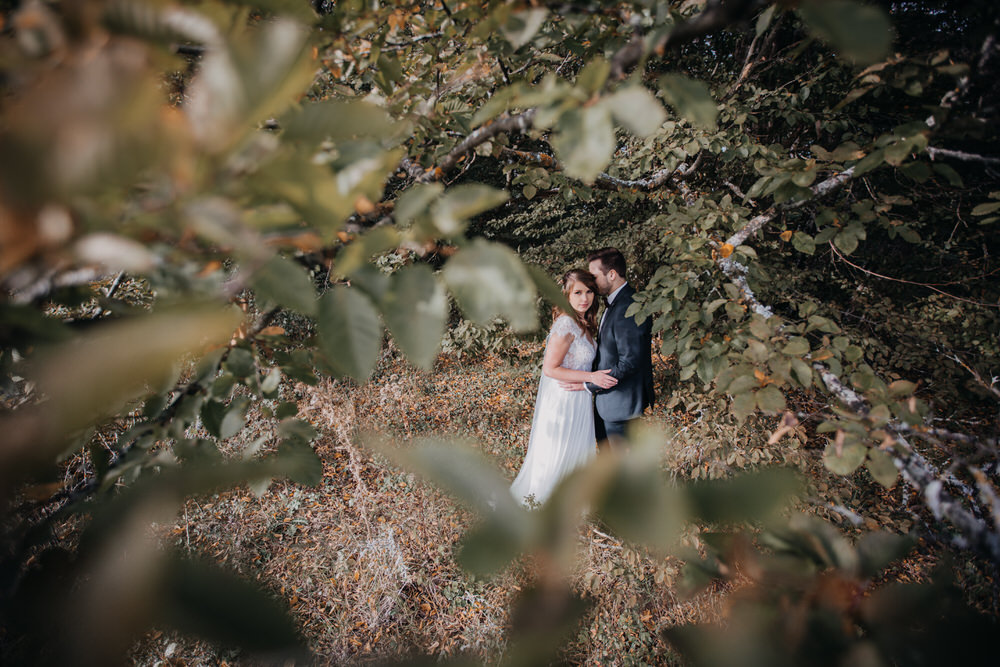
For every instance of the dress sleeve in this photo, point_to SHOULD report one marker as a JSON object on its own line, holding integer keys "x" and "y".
{"x": 563, "y": 325}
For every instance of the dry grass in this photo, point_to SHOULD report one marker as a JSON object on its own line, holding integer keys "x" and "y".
{"x": 365, "y": 560}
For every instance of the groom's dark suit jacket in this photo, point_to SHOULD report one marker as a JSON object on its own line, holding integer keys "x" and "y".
{"x": 624, "y": 347}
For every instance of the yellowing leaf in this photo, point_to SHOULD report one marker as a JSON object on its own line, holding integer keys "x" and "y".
{"x": 786, "y": 235}
{"x": 726, "y": 250}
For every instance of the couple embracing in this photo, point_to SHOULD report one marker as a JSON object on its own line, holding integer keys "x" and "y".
{"x": 597, "y": 376}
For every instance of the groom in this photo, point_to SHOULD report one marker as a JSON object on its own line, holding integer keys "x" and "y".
{"x": 624, "y": 347}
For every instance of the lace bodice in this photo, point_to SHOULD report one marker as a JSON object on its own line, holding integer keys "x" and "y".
{"x": 581, "y": 351}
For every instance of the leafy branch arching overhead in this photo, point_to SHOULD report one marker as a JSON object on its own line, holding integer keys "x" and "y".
{"x": 202, "y": 200}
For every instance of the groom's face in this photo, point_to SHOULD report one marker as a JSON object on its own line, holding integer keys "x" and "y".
{"x": 603, "y": 284}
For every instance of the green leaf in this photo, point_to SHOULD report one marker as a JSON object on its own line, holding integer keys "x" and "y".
{"x": 760, "y": 328}
{"x": 585, "y": 141}
{"x": 908, "y": 234}
{"x": 747, "y": 497}
{"x": 690, "y": 98}
{"x": 878, "y": 550}
{"x": 770, "y": 399}
{"x": 462, "y": 202}
{"x": 859, "y": 32}
{"x": 869, "y": 162}
{"x": 823, "y": 324}
{"x": 803, "y": 243}
{"x": 388, "y": 73}
{"x": 257, "y": 73}
{"x": 297, "y": 430}
{"x": 337, "y": 120}
{"x": 547, "y": 288}
{"x": 630, "y": 493}
{"x": 350, "y": 334}
{"x": 803, "y": 373}
{"x": 416, "y": 201}
{"x": 212, "y": 413}
{"x": 300, "y": 463}
{"x": 986, "y": 208}
{"x": 285, "y": 283}
{"x": 918, "y": 171}
{"x": 756, "y": 351}
{"x": 846, "y": 240}
{"x": 354, "y": 258}
{"x": 881, "y": 467}
{"x": 764, "y": 20}
{"x": 592, "y": 77}
{"x": 415, "y": 309}
{"x": 202, "y": 598}
{"x": 744, "y": 405}
{"x": 222, "y": 386}
{"x": 489, "y": 547}
{"x": 522, "y": 26}
{"x": 952, "y": 176}
{"x": 901, "y": 388}
{"x": 851, "y": 457}
{"x": 235, "y": 417}
{"x": 240, "y": 362}
{"x": 286, "y": 409}
{"x": 269, "y": 385}
{"x": 296, "y": 459}
{"x": 636, "y": 109}
{"x": 797, "y": 346}
{"x": 489, "y": 280}
{"x": 743, "y": 383}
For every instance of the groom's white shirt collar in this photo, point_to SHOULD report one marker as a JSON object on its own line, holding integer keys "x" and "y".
{"x": 611, "y": 297}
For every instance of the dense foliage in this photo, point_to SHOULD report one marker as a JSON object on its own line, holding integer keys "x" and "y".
{"x": 203, "y": 201}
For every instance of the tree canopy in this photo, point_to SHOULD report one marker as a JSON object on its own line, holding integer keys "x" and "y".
{"x": 202, "y": 201}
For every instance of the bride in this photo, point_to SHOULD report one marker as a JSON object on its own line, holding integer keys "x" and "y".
{"x": 562, "y": 430}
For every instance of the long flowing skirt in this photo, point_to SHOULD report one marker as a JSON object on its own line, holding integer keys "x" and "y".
{"x": 562, "y": 439}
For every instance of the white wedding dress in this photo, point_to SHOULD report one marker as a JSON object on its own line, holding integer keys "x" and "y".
{"x": 562, "y": 430}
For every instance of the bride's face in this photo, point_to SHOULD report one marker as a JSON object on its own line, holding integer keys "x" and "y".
{"x": 580, "y": 297}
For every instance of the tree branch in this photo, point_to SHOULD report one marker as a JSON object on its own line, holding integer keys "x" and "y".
{"x": 606, "y": 182}
{"x": 28, "y": 286}
{"x": 960, "y": 155}
{"x": 519, "y": 123}
{"x": 974, "y": 533}
{"x": 717, "y": 14}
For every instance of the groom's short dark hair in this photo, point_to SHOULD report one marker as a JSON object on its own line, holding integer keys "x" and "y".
{"x": 610, "y": 258}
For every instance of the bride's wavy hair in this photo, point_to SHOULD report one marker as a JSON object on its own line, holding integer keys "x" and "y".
{"x": 588, "y": 320}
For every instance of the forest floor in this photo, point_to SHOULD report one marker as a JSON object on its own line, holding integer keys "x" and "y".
{"x": 365, "y": 559}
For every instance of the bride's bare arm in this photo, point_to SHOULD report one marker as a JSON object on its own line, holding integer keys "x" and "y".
{"x": 555, "y": 352}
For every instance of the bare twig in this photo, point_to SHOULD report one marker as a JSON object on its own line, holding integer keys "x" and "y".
{"x": 739, "y": 193}
{"x": 935, "y": 153}
{"x": 991, "y": 387}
